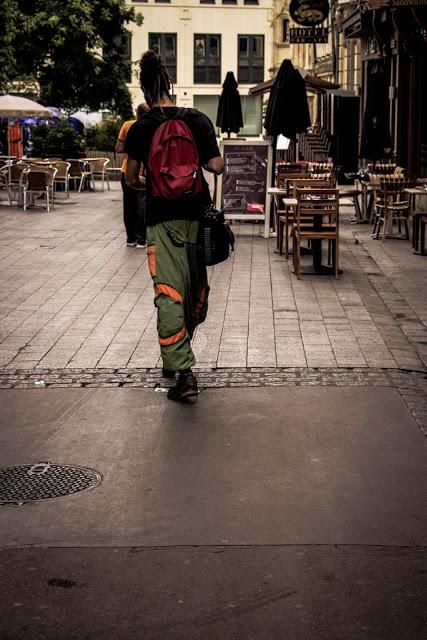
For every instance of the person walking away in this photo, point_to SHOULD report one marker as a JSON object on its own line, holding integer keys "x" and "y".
{"x": 173, "y": 214}
{"x": 133, "y": 201}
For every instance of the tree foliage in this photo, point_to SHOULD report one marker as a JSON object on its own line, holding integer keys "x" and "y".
{"x": 104, "y": 136}
{"x": 75, "y": 49}
{"x": 8, "y": 11}
{"x": 62, "y": 141}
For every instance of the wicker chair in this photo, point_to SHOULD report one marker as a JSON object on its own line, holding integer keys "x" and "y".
{"x": 80, "y": 170}
{"x": 99, "y": 168}
{"x": 39, "y": 182}
{"x": 13, "y": 175}
{"x": 62, "y": 175}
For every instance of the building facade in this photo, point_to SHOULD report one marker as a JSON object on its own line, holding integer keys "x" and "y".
{"x": 200, "y": 41}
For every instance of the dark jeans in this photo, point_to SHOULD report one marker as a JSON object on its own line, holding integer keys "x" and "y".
{"x": 134, "y": 213}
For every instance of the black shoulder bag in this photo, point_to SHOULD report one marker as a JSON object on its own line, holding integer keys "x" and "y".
{"x": 216, "y": 239}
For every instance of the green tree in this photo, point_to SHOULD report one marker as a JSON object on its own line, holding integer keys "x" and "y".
{"x": 62, "y": 140}
{"x": 76, "y": 50}
{"x": 8, "y": 11}
{"x": 104, "y": 136}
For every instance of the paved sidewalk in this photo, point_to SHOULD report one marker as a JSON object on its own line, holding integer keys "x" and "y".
{"x": 74, "y": 296}
{"x": 289, "y": 497}
{"x": 237, "y": 518}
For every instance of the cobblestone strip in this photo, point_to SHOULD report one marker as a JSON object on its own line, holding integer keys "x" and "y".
{"x": 411, "y": 384}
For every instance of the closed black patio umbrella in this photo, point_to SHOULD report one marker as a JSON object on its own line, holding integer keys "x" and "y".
{"x": 375, "y": 143}
{"x": 229, "y": 117}
{"x": 287, "y": 109}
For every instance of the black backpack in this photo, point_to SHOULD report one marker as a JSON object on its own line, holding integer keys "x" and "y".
{"x": 216, "y": 239}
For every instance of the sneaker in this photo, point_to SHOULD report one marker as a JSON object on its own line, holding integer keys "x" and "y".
{"x": 168, "y": 373}
{"x": 185, "y": 388}
{"x": 140, "y": 244}
{"x": 131, "y": 243}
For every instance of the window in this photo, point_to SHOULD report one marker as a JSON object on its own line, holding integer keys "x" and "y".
{"x": 207, "y": 59}
{"x": 229, "y": 1}
{"x": 207, "y": 1}
{"x": 209, "y": 106}
{"x": 162, "y": 0}
{"x": 285, "y": 30}
{"x": 250, "y": 2}
{"x": 165, "y": 45}
{"x": 252, "y": 116}
{"x": 250, "y": 59}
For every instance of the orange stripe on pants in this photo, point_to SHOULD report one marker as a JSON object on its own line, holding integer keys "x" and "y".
{"x": 167, "y": 290}
{"x": 165, "y": 342}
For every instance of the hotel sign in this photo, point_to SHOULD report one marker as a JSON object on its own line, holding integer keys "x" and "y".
{"x": 308, "y": 34}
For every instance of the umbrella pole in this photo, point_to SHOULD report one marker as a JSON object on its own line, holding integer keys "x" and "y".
{"x": 8, "y": 138}
{"x": 273, "y": 160}
{"x": 272, "y": 221}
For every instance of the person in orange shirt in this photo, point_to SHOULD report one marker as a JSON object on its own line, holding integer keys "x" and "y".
{"x": 15, "y": 139}
{"x": 133, "y": 200}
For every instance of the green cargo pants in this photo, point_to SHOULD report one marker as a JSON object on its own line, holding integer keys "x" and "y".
{"x": 180, "y": 288}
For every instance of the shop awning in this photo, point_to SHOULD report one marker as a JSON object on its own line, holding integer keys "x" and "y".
{"x": 313, "y": 83}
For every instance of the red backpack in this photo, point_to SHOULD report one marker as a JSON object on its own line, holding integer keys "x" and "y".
{"x": 173, "y": 160}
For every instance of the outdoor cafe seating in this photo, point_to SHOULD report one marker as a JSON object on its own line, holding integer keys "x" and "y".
{"x": 98, "y": 167}
{"x": 316, "y": 219}
{"x": 62, "y": 176}
{"x": 38, "y": 182}
{"x": 12, "y": 175}
{"x": 391, "y": 207}
{"x": 286, "y": 215}
{"x": 80, "y": 172}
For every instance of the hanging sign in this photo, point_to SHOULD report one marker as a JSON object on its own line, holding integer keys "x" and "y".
{"x": 309, "y": 12}
{"x": 308, "y": 34}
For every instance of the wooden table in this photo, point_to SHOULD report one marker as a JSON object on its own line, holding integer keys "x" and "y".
{"x": 413, "y": 192}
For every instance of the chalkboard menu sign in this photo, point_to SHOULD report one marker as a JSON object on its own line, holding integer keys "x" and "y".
{"x": 242, "y": 192}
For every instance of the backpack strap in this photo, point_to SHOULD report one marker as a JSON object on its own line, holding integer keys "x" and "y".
{"x": 158, "y": 116}
{"x": 182, "y": 113}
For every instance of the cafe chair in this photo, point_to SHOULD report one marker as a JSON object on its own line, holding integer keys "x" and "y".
{"x": 62, "y": 176}
{"x": 316, "y": 219}
{"x": 291, "y": 167}
{"x": 4, "y": 173}
{"x": 99, "y": 168}
{"x": 13, "y": 175}
{"x": 282, "y": 177}
{"x": 38, "y": 183}
{"x": 391, "y": 206}
{"x": 285, "y": 217}
{"x": 80, "y": 171}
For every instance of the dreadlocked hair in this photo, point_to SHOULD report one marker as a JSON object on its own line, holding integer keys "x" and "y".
{"x": 153, "y": 76}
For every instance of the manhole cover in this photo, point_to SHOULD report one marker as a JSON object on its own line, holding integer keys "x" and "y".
{"x": 43, "y": 480}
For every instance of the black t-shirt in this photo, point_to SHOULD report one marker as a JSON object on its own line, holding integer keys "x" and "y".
{"x": 137, "y": 146}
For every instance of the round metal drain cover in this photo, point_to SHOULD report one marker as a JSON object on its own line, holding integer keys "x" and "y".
{"x": 43, "y": 481}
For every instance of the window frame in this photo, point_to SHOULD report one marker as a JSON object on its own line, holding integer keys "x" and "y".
{"x": 252, "y": 77}
{"x": 171, "y": 69}
{"x": 209, "y": 69}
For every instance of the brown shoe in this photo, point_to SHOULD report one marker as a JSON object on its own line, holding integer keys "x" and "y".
{"x": 185, "y": 387}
